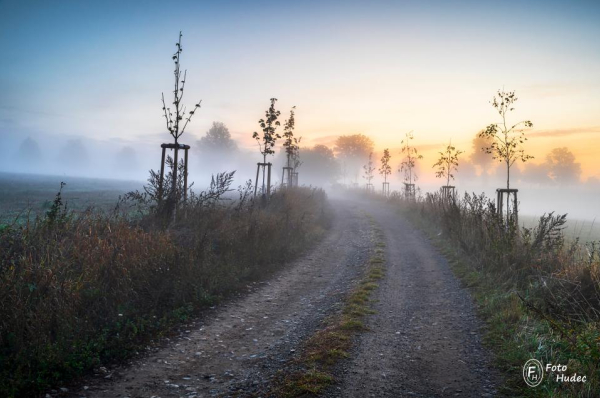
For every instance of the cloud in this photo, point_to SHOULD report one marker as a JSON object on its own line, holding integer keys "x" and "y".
{"x": 566, "y": 132}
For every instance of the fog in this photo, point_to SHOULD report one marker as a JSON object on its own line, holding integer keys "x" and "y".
{"x": 540, "y": 189}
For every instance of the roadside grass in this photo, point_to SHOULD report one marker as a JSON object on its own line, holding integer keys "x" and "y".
{"x": 80, "y": 290}
{"x": 514, "y": 332}
{"x": 331, "y": 344}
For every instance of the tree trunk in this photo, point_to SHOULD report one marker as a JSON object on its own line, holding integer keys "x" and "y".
{"x": 174, "y": 182}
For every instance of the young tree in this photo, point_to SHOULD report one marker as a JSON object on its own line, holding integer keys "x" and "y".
{"x": 411, "y": 155}
{"x": 288, "y": 135}
{"x": 369, "y": 169}
{"x": 176, "y": 118}
{"x": 266, "y": 143}
{"x": 296, "y": 162}
{"x": 385, "y": 169}
{"x": 506, "y": 140}
{"x": 447, "y": 163}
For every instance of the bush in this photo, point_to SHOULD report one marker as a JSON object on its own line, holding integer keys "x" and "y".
{"x": 77, "y": 290}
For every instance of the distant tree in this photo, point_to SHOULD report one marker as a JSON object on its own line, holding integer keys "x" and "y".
{"x": 562, "y": 166}
{"x": 506, "y": 141}
{"x": 74, "y": 154}
{"x": 29, "y": 153}
{"x": 447, "y": 163}
{"x": 478, "y": 157}
{"x": 536, "y": 174}
{"x": 126, "y": 159}
{"x": 385, "y": 169}
{"x": 176, "y": 119}
{"x": 353, "y": 150}
{"x": 410, "y": 157}
{"x": 217, "y": 139}
{"x": 593, "y": 182}
{"x": 320, "y": 165}
{"x": 269, "y": 137}
{"x": 369, "y": 169}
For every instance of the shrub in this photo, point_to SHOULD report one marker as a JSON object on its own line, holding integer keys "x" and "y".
{"x": 77, "y": 290}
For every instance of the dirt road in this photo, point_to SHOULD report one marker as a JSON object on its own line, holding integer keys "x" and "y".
{"x": 424, "y": 339}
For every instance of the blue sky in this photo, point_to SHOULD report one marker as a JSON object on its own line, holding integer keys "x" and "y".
{"x": 96, "y": 69}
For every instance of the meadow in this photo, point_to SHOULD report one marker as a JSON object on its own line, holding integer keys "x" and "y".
{"x": 32, "y": 194}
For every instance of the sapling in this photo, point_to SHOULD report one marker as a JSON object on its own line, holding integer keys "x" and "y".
{"x": 269, "y": 137}
{"x": 296, "y": 162}
{"x": 506, "y": 141}
{"x": 369, "y": 169}
{"x": 447, "y": 163}
{"x": 385, "y": 170}
{"x": 289, "y": 144}
{"x": 409, "y": 162}
{"x": 176, "y": 118}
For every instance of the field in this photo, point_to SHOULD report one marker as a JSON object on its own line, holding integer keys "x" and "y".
{"x": 584, "y": 230}
{"x": 23, "y": 193}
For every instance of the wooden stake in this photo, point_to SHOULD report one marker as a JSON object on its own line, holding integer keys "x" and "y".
{"x": 185, "y": 176}
{"x": 162, "y": 175}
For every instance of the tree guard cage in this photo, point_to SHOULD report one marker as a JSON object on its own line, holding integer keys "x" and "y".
{"x": 267, "y": 167}
{"x": 386, "y": 189}
{"x": 370, "y": 187}
{"x": 503, "y": 197}
{"x": 448, "y": 192}
{"x": 176, "y": 147}
{"x": 409, "y": 191}
{"x": 295, "y": 179}
{"x": 287, "y": 178}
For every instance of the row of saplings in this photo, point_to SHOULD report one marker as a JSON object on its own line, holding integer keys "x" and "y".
{"x": 505, "y": 144}
{"x": 172, "y": 189}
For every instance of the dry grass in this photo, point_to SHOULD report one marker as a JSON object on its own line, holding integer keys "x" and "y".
{"x": 77, "y": 290}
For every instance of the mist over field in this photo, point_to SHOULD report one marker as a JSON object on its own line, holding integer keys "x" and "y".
{"x": 70, "y": 156}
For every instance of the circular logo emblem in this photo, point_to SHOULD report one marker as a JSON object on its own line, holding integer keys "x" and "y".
{"x": 533, "y": 372}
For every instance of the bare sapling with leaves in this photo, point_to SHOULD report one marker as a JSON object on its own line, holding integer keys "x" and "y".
{"x": 385, "y": 170}
{"x": 506, "y": 140}
{"x": 266, "y": 141}
{"x": 369, "y": 168}
{"x": 447, "y": 165}
{"x": 409, "y": 162}
{"x": 177, "y": 118}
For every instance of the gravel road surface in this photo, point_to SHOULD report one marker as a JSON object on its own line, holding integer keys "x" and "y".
{"x": 424, "y": 340}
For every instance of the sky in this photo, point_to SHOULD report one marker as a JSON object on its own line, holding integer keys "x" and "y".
{"x": 380, "y": 68}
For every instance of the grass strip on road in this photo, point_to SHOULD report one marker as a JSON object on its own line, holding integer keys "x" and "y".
{"x": 332, "y": 343}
